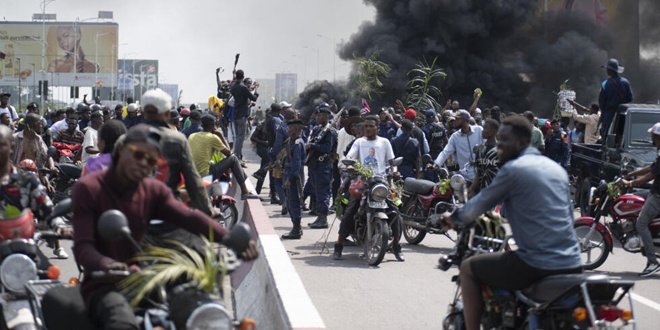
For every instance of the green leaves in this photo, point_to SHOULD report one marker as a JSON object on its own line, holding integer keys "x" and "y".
{"x": 423, "y": 92}
{"x": 173, "y": 261}
{"x": 370, "y": 75}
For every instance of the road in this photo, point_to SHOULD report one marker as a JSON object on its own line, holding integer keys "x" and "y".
{"x": 397, "y": 295}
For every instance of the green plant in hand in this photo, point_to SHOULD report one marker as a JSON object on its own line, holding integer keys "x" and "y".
{"x": 444, "y": 186}
{"x": 613, "y": 190}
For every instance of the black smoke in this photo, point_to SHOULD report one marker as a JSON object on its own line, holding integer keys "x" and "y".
{"x": 517, "y": 55}
{"x": 318, "y": 92}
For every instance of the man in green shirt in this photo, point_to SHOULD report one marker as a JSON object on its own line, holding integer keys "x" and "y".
{"x": 537, "y": 136}
{"x": 206, "y": 143}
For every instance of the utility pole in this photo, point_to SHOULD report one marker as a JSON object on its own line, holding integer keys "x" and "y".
{"x": 20, "y": 97}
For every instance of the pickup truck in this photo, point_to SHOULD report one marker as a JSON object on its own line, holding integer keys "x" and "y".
{"x": 628, "y": 146}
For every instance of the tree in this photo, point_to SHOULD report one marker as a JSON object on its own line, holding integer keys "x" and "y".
{"x": 423, "y": 92}
{"x": 370, "y": 75}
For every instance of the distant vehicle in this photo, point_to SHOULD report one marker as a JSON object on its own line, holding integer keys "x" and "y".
{"x": 628, "y": 146}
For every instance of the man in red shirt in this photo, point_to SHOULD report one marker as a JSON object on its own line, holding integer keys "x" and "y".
{"x": 127, "y": 187}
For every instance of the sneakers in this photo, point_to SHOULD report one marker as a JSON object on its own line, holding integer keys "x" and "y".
{"x": 60, "y": 253}
{"x": 650, "y": 270}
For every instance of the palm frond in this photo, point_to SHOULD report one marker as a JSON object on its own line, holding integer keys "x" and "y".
{"x": 422, "y": 91}
{"x": 370, "y": 74}
{"x": 171, "y": 262}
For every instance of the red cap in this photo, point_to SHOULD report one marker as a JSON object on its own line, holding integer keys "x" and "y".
{"x": 185, "y": 112}
{"x": 410, "y": 114}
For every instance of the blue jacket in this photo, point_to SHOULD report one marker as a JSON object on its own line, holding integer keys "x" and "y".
{"x": 614, "y": 92}
{"x": 295, "y": 159}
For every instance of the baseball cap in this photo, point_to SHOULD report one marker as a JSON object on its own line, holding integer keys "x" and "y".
{"x": 285, "y": 104}
{"x": 143, "y": 133}
{"x": 430, "y": 113}
{"x": 410, "y": 114}
{"x": 655, "y": 129}
{"x": 157, "y": 98}
{"x": 463, "y": 114}
{"x": 132, "y": 107}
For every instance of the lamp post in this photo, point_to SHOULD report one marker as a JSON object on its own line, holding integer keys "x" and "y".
{"x": 20, "y": 97}
{"x": 334, "y": 57}
{"x": 115, "y": 50}
{"x": 44, "y": 3}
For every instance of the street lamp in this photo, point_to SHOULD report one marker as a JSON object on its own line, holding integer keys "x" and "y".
{"x": 114, "y": 70}
{"x": 44, "y": 3}
{"x": 334, "y": 57}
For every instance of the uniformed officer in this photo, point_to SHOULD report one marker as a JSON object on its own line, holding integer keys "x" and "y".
{"x": 435, "y": 133}
{"x": 281, "y": 133}
{"x": 293, "y": 173}
{"x": 321, "y": 152}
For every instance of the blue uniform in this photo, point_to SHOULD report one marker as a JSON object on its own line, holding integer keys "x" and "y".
{"x": 281, "y": 133}
{"x": 556, "y": 148}
{"x": 436, "y": 135}
{"x": 323, "y": 144}
{"x": 293, "y": 171}
{"x": 407, "y": 147}
{"x": 387, "y": 130}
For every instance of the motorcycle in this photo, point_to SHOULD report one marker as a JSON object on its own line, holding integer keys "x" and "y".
{"x": 218, "y": 193}
{"x": 425, "y": 201}
{"x": 376, "y": 213}
{"x": 62, "y": 180}
{"x": 569, "y": 301}
{"x": 23, "y": 262}
{"x": 597, "y": 235}
{"x": 178, "y": 304}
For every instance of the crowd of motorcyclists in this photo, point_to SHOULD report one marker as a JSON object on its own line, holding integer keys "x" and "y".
{"x": 142, "y": 159}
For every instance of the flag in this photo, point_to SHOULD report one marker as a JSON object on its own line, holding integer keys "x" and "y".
{"x": 365, "y": 107}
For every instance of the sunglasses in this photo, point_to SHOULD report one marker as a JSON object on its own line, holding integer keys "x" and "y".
{"x": 139, "y": 155}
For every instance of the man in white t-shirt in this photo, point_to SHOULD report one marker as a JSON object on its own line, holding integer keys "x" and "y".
{"x": 90, "y": 143}
{"x": 5, "y": 107}
{"x": 376, "y": 153}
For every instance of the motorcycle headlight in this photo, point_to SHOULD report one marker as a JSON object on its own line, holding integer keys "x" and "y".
{"x": 209, "y": 316}
{"x": 16, "y": 270}
{"x": 457, "y": 182}
{"x": 379, "y": 192}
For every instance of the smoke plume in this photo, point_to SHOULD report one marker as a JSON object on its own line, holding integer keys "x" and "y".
{"x": 318, "y": 92}
{"x": 516, "y": 54}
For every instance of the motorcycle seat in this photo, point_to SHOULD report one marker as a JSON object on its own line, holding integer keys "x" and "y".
{"x": 70, "y": 170}
{"x": 63, "y": 307}
{"x": 418, "y": 186}
{"x": 551, "y": 287}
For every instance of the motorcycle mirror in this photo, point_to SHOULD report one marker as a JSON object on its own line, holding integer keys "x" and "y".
{"x": 238, "y": 238}
{"x": 62, "y": 208}
{"x": 348, "y": 162}
{"x": 397, "y": 161}
{"x": 113, "y": 225}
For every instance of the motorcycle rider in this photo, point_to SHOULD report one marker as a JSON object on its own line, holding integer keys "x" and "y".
{"x": 127, "y": 187}
{"x": 651, "y": 206}
{"x": 376, "y": 153}
{"x": 461, "y": 144}
{"x": 535, "y": 194}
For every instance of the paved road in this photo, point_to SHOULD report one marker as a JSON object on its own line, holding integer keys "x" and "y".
{"x": 398, "y": 295}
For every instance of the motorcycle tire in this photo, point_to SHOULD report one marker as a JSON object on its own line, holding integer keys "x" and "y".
{"x": 581, "y": 231}
{"x": 413, "y": 235}
{"x": 378, "y": 242}
{"x": 454, "y": 321}
{"x": 228, "y": 214}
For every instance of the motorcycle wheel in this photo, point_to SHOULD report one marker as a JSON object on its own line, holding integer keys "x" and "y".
{"x": 596, "y": 242}
{"x": 378, "y": 243}
{"x": 413, "y": 235}
{"x": 228, "y": 214}
{"x": 453, "y": 321}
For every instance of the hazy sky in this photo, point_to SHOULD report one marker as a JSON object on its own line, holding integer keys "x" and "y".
{"x": 191, "y": 38}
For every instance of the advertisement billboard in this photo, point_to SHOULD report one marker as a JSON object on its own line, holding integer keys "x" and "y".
{"x": 134, "y": 77}
{"x": 75, "y": 53}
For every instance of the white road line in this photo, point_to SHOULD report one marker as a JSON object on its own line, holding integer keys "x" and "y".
{"x": 646, "y": 301}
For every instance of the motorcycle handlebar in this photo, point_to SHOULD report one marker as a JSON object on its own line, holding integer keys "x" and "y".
{"x": 99, "y": 274}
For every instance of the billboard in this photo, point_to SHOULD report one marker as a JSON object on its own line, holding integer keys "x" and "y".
{"x": 75, "y": 53}
{"x": 134, "y": 77}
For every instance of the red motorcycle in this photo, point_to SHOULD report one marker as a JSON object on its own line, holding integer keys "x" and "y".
{"x": 596, "y": 235}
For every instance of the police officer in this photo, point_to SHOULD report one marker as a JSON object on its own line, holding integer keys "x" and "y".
{"x": 435, "y": 133}
{"x": 321, "y": 152}
{"x": 293, "y": 173}
{"x": 281, "y": 133}
{"x": 556, "y": 144}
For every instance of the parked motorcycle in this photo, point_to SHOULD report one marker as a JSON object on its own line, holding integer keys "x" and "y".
{"x": 570, "y": 301}
{"x": 218, "y": 193}
{"x": 21, "y": 263}
{"x": 376, "y": 213}
{"x": 596, "y": 235}
{"x": 178, "y": 304}
{"x": 425, "y": 201}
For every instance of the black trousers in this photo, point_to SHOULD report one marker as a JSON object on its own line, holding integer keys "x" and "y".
{"x": 111, "y": 311}
{"x": 232, "y": 163}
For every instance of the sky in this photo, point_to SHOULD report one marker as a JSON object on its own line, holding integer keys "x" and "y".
{"x": 191, "y": 38}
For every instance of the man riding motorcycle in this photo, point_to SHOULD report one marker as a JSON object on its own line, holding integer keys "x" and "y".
{"x": 535, "y": 194}
{"x": 651, "y": 207}
{"x": 376, "y": 153}
{"x": 125, "y": 186}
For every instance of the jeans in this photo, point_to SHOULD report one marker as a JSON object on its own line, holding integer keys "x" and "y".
{"x": 232, "y": 163}
{"x": 111, "y": 310}
{"x": 649, "y": 211}
{"x": 240, "y": 129}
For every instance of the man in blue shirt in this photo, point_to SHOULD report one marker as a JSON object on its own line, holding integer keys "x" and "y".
{"x": 293, "y": 173}
{"x": 407, "y": 147}
{"x": 614, "y": 92}
{"x": 535, "y": 194}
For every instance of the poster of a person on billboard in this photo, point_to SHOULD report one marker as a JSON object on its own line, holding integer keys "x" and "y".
{"x": 68, "y": 40}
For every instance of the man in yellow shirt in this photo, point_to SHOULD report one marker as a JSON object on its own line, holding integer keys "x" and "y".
{"x": 204, "y": 144}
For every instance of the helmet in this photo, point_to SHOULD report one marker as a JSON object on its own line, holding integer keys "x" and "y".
{"x": 17, "y": 226}
{"x": 185, "y": 112}
{"x": 28, "y": 165}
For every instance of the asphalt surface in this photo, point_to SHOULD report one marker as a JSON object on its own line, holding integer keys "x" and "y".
{"x": 396, "y": 295}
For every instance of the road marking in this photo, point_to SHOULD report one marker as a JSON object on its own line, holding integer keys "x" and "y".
{"x": 646, "y": 301}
